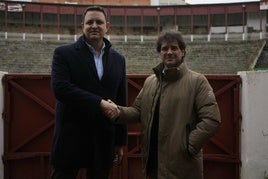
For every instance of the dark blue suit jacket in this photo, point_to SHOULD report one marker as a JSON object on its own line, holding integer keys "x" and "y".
{"x": 83, "y": 136}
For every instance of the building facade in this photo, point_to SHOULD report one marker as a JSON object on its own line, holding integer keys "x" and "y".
{"x": 32, "y": 17}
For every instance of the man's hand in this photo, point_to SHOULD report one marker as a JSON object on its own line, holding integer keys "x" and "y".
{"x": 119, "y": 152}
{"x": 110, "y": 109}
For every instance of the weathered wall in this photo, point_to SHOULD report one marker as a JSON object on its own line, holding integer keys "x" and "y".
{"x": 254, "y": 134}
{"x": 217, "y": 57}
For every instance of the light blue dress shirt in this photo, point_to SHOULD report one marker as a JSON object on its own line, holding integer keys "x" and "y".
{"x": 98, "y": 59}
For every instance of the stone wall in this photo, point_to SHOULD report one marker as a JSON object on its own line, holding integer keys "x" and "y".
{"x": 26, "y": 56}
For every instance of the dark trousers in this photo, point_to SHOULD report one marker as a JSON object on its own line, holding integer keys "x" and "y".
{"x": 58, "y": 173}
{"x": 152, "y": 165}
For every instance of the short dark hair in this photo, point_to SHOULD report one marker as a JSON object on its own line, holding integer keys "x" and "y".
{"x": 170, "y": 37}
{"x": 95, "y": 8}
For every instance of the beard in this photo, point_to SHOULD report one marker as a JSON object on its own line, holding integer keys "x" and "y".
{"x": 173, "y": 64}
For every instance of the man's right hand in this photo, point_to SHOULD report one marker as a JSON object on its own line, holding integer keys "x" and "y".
{"x": 110, "y": 109}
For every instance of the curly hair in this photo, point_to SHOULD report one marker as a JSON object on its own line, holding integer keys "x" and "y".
{"x": 170, "y": 37}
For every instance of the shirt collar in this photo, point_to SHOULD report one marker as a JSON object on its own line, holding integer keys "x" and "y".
{"x": 92, "y": 49}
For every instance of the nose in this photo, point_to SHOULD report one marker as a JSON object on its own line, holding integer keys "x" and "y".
{"x": 94, "y": 24}
{"x": 169, "y": 51}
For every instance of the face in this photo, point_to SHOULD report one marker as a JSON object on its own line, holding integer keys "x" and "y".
{"x": 171, "y": 54}
{"x": 95, "y": 26}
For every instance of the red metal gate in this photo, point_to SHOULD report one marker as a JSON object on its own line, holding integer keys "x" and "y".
{"x": 29, "y": 120}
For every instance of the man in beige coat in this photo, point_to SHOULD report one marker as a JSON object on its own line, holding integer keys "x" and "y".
{"x": 178, "y": 113}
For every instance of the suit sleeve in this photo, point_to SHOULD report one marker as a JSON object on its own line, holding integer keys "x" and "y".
{"x": 61, "y": 81}
{"x": 121, "y": 129}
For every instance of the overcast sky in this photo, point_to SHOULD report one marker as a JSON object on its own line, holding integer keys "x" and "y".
{"x": 217, "y": 1}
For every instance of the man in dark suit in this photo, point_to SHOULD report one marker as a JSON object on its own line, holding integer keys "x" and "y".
{"x": 84, "y": 75}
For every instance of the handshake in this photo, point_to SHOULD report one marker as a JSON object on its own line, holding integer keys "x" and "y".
{"x": 110, "y": 109}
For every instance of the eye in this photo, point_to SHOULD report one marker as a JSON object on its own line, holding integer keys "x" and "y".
{"x": 174, "y": 48}
{"x": 164, "y": 49}
{"x": 99, "y": 22}
{"x": 90, "y": 22}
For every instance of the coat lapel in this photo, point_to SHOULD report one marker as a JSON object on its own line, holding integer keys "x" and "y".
{"x": 86, "y": 57}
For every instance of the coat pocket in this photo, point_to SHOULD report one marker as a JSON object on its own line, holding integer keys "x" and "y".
{"x": 188, "y": 130}
{"x": 190, "y": 149}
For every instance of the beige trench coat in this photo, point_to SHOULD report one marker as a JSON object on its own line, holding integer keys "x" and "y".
{"x": 188, "y": 117}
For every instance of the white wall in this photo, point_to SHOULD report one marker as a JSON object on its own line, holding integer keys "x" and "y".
{"x": 1, "y": 125}
{"x": 253, "y": 20}
{"x": 254, "y": 129}
{"x": 154, "y": 2}
{"x": 230, "y": 29}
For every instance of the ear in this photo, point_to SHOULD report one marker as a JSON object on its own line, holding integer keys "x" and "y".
{"x": 82, "y": 25}
{"x": 184, "y": 52}
{"x": 107, "y": 27}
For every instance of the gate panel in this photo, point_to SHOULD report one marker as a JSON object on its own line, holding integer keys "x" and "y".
{"x": 28, "y": 126}
{"x": 222, "y": 152}
{"x": 29, "y": 120}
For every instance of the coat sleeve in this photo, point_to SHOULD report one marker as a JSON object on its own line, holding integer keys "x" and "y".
{"x": 61, "y": 82}
{"x": 131, "y": 114}
{"x": 208, "y": 116}
{"x": 121, "y": 129}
